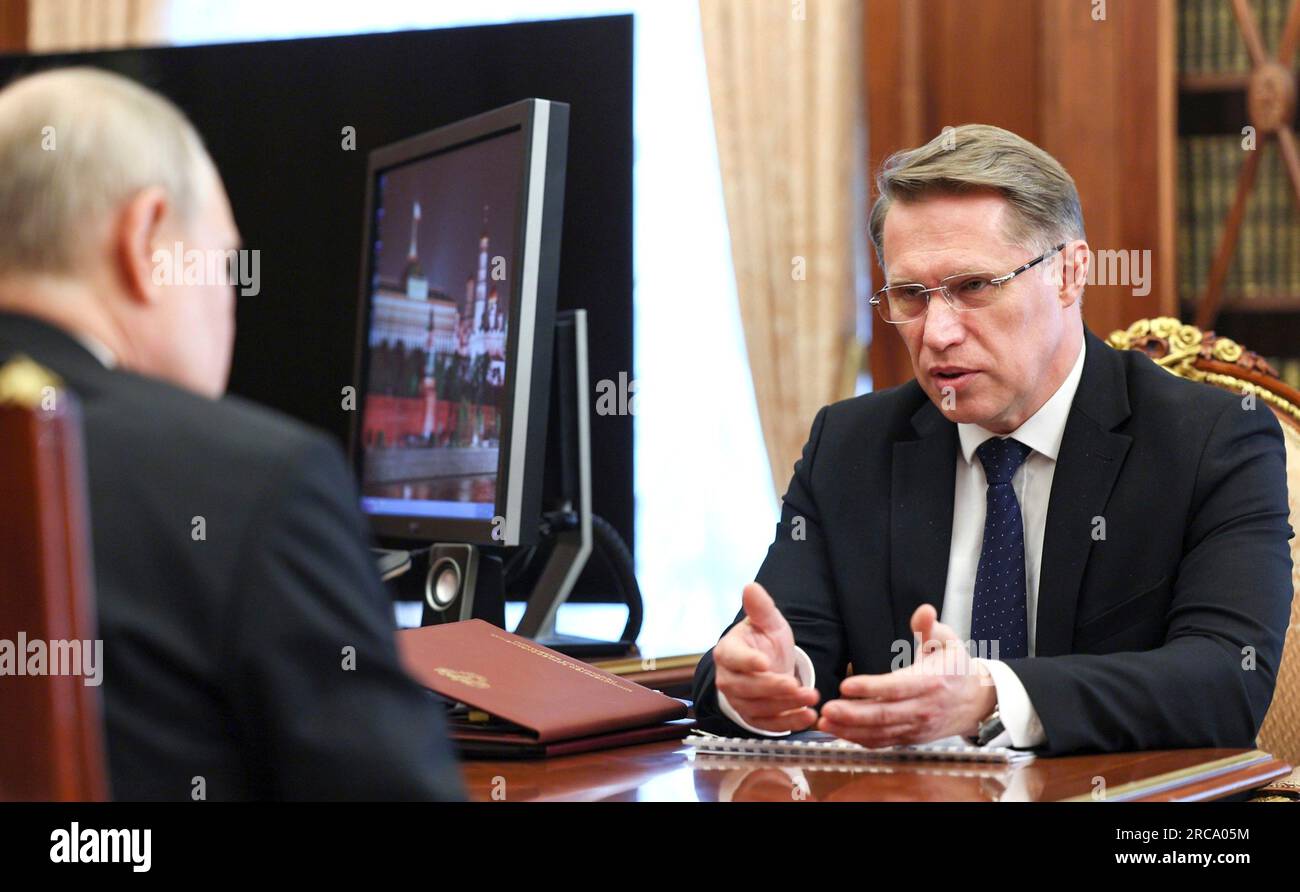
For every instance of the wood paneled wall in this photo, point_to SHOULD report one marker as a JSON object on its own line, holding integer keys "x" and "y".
{"x": 1100, "y": 95}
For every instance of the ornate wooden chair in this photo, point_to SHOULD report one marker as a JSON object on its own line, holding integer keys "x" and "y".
{"x": 1188, "y": 352}
{"x": 51, "y": 746}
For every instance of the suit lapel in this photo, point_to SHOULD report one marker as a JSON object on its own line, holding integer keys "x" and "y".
{"x": 921, "y": 516}
{"x": 1087, "y": 466}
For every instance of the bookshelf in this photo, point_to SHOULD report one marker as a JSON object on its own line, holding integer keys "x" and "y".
{"x": 1238, "y": 226}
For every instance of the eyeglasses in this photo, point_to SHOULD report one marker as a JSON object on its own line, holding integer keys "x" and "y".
{"x": 898, "y": 304}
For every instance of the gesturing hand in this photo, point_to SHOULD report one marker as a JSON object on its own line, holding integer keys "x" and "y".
{"x": 755, "y": 668}
{"x": 941, "y": 694}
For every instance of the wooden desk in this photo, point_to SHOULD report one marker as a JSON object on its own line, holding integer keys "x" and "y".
{"x": 668, "y": 772}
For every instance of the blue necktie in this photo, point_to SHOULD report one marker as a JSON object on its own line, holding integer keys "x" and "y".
{"x": 998, "y": 609}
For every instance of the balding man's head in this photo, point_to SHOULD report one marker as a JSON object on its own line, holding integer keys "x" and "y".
{"x": 75, "y": 144}
{"x": 97, "y": 174}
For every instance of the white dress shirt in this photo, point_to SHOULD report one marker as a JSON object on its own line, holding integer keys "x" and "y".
{"x": 1042, "y": 432}
{"x": 97, "y": 349}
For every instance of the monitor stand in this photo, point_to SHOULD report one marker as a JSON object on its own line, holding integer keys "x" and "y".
{"x": 570, "y": 526}
{"x": 568, "y": 557}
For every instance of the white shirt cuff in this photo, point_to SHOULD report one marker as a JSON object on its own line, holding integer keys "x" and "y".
{"x": 1021, "y": 727}
{"x": 803, "y": 671}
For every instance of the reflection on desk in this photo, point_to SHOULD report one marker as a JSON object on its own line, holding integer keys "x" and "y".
{"x": 669, "y": 772}
{"x": 747, "y": 780}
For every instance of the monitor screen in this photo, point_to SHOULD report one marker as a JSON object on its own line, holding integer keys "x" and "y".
{"x": 444, "y": 258}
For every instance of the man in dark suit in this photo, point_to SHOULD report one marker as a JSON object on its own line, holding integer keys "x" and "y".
{"x": 248, "y": 642}
{"x": 1038, "y": 542}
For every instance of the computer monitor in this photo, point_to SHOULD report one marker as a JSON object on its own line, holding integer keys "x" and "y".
{"x": 456, "y": 327}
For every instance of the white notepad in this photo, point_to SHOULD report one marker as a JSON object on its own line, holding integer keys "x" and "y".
{"x": 820, "y": 745}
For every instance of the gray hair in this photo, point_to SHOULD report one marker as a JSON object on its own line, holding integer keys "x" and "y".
{"x": 75, "y": 143}
{"x": 974, "y": 157}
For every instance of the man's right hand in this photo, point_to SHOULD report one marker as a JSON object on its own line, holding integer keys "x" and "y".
{"x": 754, "y": 665}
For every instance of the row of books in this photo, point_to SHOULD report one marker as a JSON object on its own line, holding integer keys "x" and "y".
{"x": 1266, "y": 266}
{"x": 1209, "y": 38}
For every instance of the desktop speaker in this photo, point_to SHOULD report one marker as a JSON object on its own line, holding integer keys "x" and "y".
{"x": 461, "y": 583}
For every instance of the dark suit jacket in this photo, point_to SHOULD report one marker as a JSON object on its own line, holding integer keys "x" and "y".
{"x": 224, "y": 655}
{"x": 1165, "y": 633}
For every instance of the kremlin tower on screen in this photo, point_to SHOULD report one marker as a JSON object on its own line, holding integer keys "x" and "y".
{"x": 482, "y": 328}
{"x": 418, "y": 330}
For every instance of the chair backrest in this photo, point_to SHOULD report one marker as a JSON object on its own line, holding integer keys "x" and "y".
{"x": 1188, "y": 352}
{"x": 51, "y": 746}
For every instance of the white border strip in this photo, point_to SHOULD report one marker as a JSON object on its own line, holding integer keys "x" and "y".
{"x": 527, "y": 320}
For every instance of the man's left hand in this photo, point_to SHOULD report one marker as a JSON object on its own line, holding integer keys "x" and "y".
{"x": 943, "y": 693}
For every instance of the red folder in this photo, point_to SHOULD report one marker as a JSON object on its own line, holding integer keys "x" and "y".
{"x": 526, "y": 700}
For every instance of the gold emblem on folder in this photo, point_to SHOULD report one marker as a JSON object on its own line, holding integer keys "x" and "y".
{"x": 473, "y": 679}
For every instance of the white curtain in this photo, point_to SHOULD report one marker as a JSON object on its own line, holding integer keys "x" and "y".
{"x": 785, "y": 82}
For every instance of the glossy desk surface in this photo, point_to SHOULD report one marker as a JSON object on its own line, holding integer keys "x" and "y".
{"x": 670, "y": 772}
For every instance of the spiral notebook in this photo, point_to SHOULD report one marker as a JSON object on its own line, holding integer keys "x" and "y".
{"x": 819, "y": 745}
